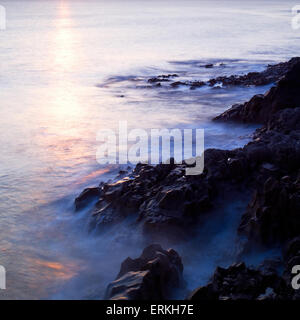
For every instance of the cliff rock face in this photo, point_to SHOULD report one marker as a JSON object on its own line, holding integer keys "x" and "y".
{"x": 150, "y": 277}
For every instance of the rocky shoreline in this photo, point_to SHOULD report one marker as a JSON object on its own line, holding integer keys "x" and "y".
{"x": 268, "y": 76}
{"x": 165, "y": 201}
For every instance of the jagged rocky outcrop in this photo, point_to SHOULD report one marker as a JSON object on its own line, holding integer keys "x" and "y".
{"x": 272, "y": 280}
{"x": 260, "y": 109}
{"x": 273, "y": 215}
{"x": 271, "y": 74}
{"x": 163, "y": 198}
{"x": 152, "y": 276}
{"x": 160, "y": 197}
{"x": 86, "y": 196}
{"x": 239, "y": 282}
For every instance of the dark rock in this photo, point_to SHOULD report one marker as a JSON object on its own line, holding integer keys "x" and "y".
{"x": 270, "y": 75}
{"x": 163, "y": 198}
{"x": 162, "y": 78}
{"x": 150, "y": 277}
{"x": 157, "y": 80}
{"x": 261, "y": 108}
{"x": 239, "y": 282}
{"x": 196, "y": 84}
{"x": 292, "y": 249}
{"x": 178, "y": 83}
{"x": 203, "y": 293}
{"x": 86, "y": 196}
{"x": 273, "y": 215}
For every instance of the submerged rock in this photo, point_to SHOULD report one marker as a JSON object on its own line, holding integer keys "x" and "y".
{"x": 152, "y": 276}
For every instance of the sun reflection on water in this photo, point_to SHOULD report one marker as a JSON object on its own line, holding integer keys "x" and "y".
{"x": 55, "y": 270}
{"x": 64, "y": 39}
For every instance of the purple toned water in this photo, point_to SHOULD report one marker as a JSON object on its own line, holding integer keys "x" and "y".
{"x": 65, "y": 73}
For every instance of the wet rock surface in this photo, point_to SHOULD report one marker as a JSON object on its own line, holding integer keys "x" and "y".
{"x": 152, "y": 276}
{"x": 273, "y": 215}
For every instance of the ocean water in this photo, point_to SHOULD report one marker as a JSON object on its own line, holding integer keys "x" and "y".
{"x": 70, "y": 68}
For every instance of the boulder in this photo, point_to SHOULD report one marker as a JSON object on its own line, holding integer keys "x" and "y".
{"x": 86, "y": 196}
{"x": 152, "y": 276}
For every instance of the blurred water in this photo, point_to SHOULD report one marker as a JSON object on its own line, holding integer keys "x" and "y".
{"x": 65, "y": 73}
